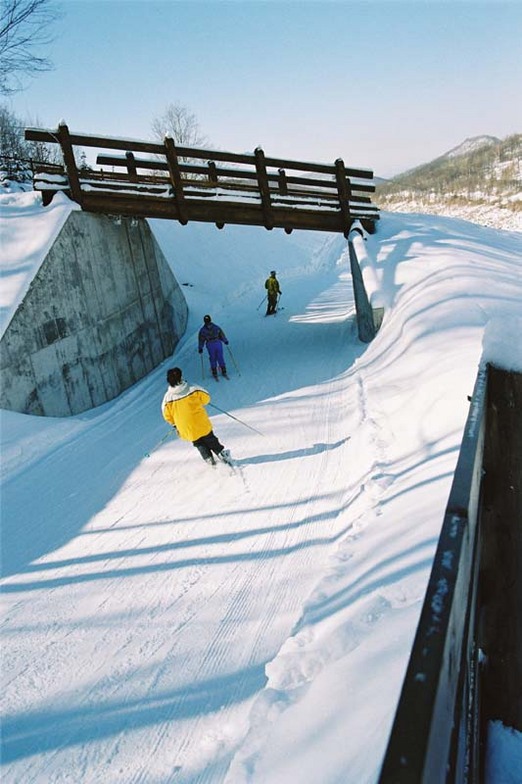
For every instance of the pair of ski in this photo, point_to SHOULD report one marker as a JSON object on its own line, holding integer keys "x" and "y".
{"x": 232, "y": 468}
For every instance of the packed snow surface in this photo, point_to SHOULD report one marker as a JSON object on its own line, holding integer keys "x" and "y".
{"x": 164, "y": 621}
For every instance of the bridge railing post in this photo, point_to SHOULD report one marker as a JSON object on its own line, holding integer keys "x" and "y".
{"x": 70, "y": 163}
{"x": 344, "y": 192}
{"x": 282, "y": 182}
{"x": 264, "y": 187}
{"x": 175, "y": 178}
{"x": 212, "y": 173}
{"x": 131, "y": 166}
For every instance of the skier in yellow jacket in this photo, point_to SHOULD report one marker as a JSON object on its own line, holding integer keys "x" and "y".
{"x": 273, "y": 291}
{"x": 183, "y": 407}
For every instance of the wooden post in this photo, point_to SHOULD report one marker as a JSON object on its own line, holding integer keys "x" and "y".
{"x": 343, "y": 193}
{"x": 70, "y": 164}
{"x": 283, "y": 185}
{"x": 264, "y": 187}
{"x": 131, "y": 166}
{"x": 175, "y": 178}
{"x": 212, "y": 173}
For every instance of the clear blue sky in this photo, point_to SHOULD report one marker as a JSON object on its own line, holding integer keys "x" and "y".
{"x": 383, "y": 84}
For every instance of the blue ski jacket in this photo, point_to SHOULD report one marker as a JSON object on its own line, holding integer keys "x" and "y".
{"x": 209, "y": 333}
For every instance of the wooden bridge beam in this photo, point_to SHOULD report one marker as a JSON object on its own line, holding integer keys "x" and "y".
{"x": 210, "y": 211}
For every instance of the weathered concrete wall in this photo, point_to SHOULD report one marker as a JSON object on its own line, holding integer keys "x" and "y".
{"x": 103, "y": 310}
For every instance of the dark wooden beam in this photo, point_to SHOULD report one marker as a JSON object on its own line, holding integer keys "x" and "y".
{"x": 175, "y": 175}
{"x": 283, "y": 184}
{"x": 344, "y": 193}
{"x": 264, "y": 188}
{"x": 70, "y": 163}
{"x": 105, "y": 142}
{"x": 153, "y": 164}
{"x": 212, "y": 173}
{"x": 212, "y": 212}
{"x": 131, "y": 166}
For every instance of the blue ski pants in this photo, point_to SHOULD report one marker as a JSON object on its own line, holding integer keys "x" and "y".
{"x": 215, "y": 353}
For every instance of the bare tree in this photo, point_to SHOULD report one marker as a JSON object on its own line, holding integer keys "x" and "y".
{"x": 179, "y": 122}
{"x": 13, "y": 158}
{"x": 24, "y": 28}
{"x": 182, "y": 125}
{"x": 18, "y": 156}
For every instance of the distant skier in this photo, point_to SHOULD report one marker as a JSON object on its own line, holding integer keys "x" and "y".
{"x": 183, "y": 408}
{"x": 213, "y": 336}
{"x": 273, "y": 291}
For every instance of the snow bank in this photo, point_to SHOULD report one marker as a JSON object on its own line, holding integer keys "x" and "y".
{"x": 502, "y": 343}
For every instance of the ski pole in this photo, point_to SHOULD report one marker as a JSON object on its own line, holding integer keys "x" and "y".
{"x": 237, "y": 420}
{"x": 261, "y": 303}
{"x": 170, "y": 432}
{"x": 202, "y": 371}
{"x": 233, "y": 360}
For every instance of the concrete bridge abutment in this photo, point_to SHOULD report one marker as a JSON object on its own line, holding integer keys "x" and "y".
{"x": 103, "y": 310}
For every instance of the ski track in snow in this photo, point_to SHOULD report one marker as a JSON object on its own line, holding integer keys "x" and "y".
{"x": 299, "y": 660}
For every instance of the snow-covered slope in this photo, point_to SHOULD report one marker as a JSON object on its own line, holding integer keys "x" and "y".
{"x": 470, "y": 145}
{"x": 168, "y": 622}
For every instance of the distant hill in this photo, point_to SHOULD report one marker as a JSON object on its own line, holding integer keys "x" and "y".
{"x": 480, "y": 180}
{"x": 471, "y": 145}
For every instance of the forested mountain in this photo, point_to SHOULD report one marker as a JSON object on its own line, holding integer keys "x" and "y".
{"x": 480, "y": 180}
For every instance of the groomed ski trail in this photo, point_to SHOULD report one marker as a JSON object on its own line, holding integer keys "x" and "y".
{"x": 180, "y": 612}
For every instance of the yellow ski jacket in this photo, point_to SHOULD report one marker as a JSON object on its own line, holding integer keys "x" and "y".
{"x": 182, "y": 406}
{"x": 272, "y": 285}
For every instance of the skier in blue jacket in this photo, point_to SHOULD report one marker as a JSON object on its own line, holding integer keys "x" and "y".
{"x": 213, "y": 336}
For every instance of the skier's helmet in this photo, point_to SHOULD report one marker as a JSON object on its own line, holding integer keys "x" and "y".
{"x": 273, "y": 272}
{"x": 207, "y": 319}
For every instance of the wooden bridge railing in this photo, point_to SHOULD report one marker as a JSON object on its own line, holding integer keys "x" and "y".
{"x": 465, "y": 667}
{"x": 191, "y": 184}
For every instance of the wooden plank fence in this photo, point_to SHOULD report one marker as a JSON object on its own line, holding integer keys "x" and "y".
{"x": 156, "y": 180}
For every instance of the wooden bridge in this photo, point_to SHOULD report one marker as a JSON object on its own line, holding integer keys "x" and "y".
{"x": 152, "y": 180}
